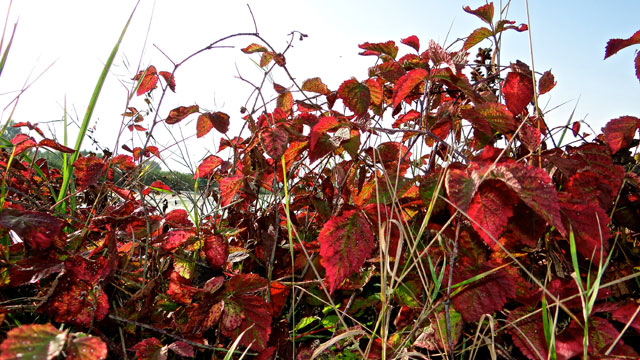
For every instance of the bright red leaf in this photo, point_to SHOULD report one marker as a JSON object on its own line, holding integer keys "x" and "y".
{"x": 484, "y": 12}
{"x": 78, "y": 303}
{"x": 157, "y": 185}
{"x": 518, "y": 92}
{"x": 498, "y": 117}
{"x": 180, "y": 289}
{"x": 619, "y": 132}
{"x": 149, "y": 81}
{"x": 169, "y": 79}
{"x": 483, "y": 296}
{"x": 86, "y": 348}
{"x": 546, "y": 83}
{"x": 615, "y": 45}
{"x": 88, "y": 171}
{"x": 319, "y": 144}
{"x": 406, "y": 83}
{"x": 229, "y": 187}
{"x": 174, "y": 238}
{"x": 204, "y": 125}
{"x": 207, "y": 166}
{"x": 150, "y": 349}
{"x": 346, "y": 241}
{"x": 412, "y": 41}
{"x": 33, "y": 342}
{"x": 37, "y": 229}
{"x": 22, "y": 142}
{"x": 216, "y": 251}
{"x": 178, "y": 114}
{"x": 52, "y": 144}
{"x": 355, "y": 96}
{"x": 491, "y": 208}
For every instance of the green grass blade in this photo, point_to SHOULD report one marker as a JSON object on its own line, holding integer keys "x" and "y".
{"x": 6, "y": 50}
{"x": 92, "y": 104}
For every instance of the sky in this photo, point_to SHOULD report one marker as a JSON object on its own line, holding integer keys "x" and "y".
{"x": 60, "y": 48}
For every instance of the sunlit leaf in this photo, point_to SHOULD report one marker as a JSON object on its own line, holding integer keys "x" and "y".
{"x": 22, "y": 142}
{"x": 207, "y": 166}
{"x": 254, "y": 48}
{"x": 412, "y": 41}
{"x": 275, "y": 141}
{"x": 518, "y": 91}
{"x": 52, "y": 144}
{"x": 315, "y": 85}
{"x": 476, "y": 37}
{"x": 355, "y": 96}
{"x": 619, "y": 132}
{"x": 149, "y": 81}
{"x": 387, "y": 48}
{"x": 216, "y": 251}
{"x": 406, "y": 83}
{"x": 150, "y": 349}
{"x": 229, "y": 187}
{"x": 317, "y": 147}
{"x": 169, "y": 79}
{"x": 285, "y": 101}
{"x": 86, "y": 348}
{"x": 88, "y": 171}
{"x": 204, "y": 125}
{"x": 33, "y": 342}
{"x": 178, "y": 114}
{"x": 484, "y": 12}
{"x": 346, "y": 241}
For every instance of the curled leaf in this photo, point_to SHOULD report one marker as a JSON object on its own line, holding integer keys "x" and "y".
{"x": 178, "y": 114}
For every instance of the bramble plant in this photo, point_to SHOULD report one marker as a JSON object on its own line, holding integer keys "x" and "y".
{"x": 425, "y": 210}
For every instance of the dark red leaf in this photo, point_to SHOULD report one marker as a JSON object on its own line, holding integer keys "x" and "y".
{"x": 615, "y": 45}
{"x": 216, "y": 251}
{"x": 530, "y": 136}
{"x": 150, "y": 349}
{"x": 346, "y": 241}
{"x": 624, "y": 314}
{"x": 518, "y": 91}
{"x": 207, "y": 166}
{"x": 315, "y": 85}
{"x": 527, "y": 333}
{"x": 78, "y": 303}
{"x": 619, "y": 132}
{"x": 355, "y": 96}
{"x": 280, "y": 59}
{"x": 575, "y": 128}
{"x": 180, "y": 289}
{"x": 178, "y": 114}
{"x": 496, "y": 115}
{"x": 484, "y": 296}
{"x": 136, "y": 127}
{"x": 86, "y": 348}
{"x": 279, "y": 88}
{"x": 390, "y": 71}
{"x": 503, "y": 25}
{"x": 246, "y": 283}
{"x": 169, "y": 79}
{"x": 242, "y": 312}
{"x": 637, "y": 62}
{"x": 33, "y": 342}
{"x": 387, "y": 48}
{"x": 412, "y": 41}
{"x": 406, "y": 83}
{"x": 275, "y": 141}
{"x": 546, "y": 83}
{"x": 37, "y": 229}
{"x": 318, "y": 148}
{"x": 182, "y": 348}
{"x": 88, "y": 171}
{"x": 52, "y": 144}
{"x": 219, "y": 120}
{"x": 254, "y": 48}
{"x": 491, "y": 208}
{"x": 476, "y": 37}
{"x": 22, "y": 142}
{"x": 149, "y": 81}
{"x": 229, "y": 187}
{"x": 484, "y": 12}
{"x": 589, "y": 223}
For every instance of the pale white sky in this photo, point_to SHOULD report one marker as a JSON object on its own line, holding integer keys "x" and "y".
{"x": 568, "y": 37}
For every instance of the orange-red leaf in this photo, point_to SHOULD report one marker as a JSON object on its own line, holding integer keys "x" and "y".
{"x": 52, "y": 144}
{"x": 346, "y": 241}
{"x": 412, "y": 41}
{"x": 207, "y": 166}
{"x": 254, "y": 48}
{"x": 285, "y": 101}
{"x": 149, "y": 81}
{"x": 355, "y": 96}
{"x": 615, "y": 45}
{"x": 496, "y": 115}
{"x": 319, "y": 145}
{"x": 518, "y": 92}
{"x": 619, "y": 132}
{"x": 406, "y": 83}
{"x": 22, "y": 142}
{"x": 86, "y": 348}
{"x": 387, "y": 48}
{"x": 178, "y": 114}
{"x": 491, "y": 208}
{"x": 158, "y": 184}
{"x": 33, "y": 342}
{"x": 229, "y": 187}
{"x": 315, "y": 85}
{"x": 87, "y": 171}
{"x": 169, "y": 79}
{"x": 204, "y": 125}
{"x": 266, "y": 58}
{"x": 484, "y": 12}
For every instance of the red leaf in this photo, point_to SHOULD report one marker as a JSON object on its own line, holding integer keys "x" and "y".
{"x": 315, "y": 85}
{"x": 546, "y": 83}
{"x": 266, "y": 58}
{"x": 575, "y": 128}
{"x": 169, "y": 79}
{"x": 246, "y": 283}
{"x": 484, "y": 12}
{"x": 318, "y": 148}
{"x": 180, "y": 289}
{"x": 174, "y": 238}
{"x": 254, "y": 48}
{"x": 615, "y": 45}
{"x": 29, "y": 126}
{"x": 158, "y": 184}
{"x": 412, "y": 41}
{"x": 229, "y": 187}
{"x": 178, "y": 114}
{"x": 37, "y": 229}
{"x": 247, "y": 312}
{"x": 216, "y": 251}
{"x": 496, "y": 115}
{"x": 178, "y": 218}
{"x": 409, "y": 116}
{"x": 182, "y": 348}
{"x": 624, "y": 314}
{"x": 87, "y": 171}
{"x": 391, "y": 71}
{"x": 355, "y": 96}
{"x": 79, "y": 303}
{"x": 619, "y": 132}
{"x": 530, "y": 136}
{"x": 136, "y": 127}
{"x": 33, "y": 342}
{"x": 279, "y": 88}
{"x": 476, "y": 37}
{"x": 387, "y": 48}
{"x": 376, "y": 90}
{"x": 86, "y": 348}
{"x": 275, "y": 142}
{"x": 207, "y": 166}
{"x": 518, "y": 92}
{"x": 280, "y": 60}
{"x": 584, "y": 219}
{"x": 219, "y": 120}
{"x": 406, "y": 83}
{"x": 149, "y": 81}
{"x": 346, "y": 241}
{"x": 124, "y": 162}
{"x": 204, "y": 125}
{"x": 484, "y": 296}
{"x": 52, "y": 144}
{"x": 279, "y": 295}
{"x": 150, "y": 349}
{"x": 491, "y": 208}
{"x": 528, "y": 333}
{"x": 285, "y": 101}
{"x": 22, "y": 142}
{"x": 637, "y": 61}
